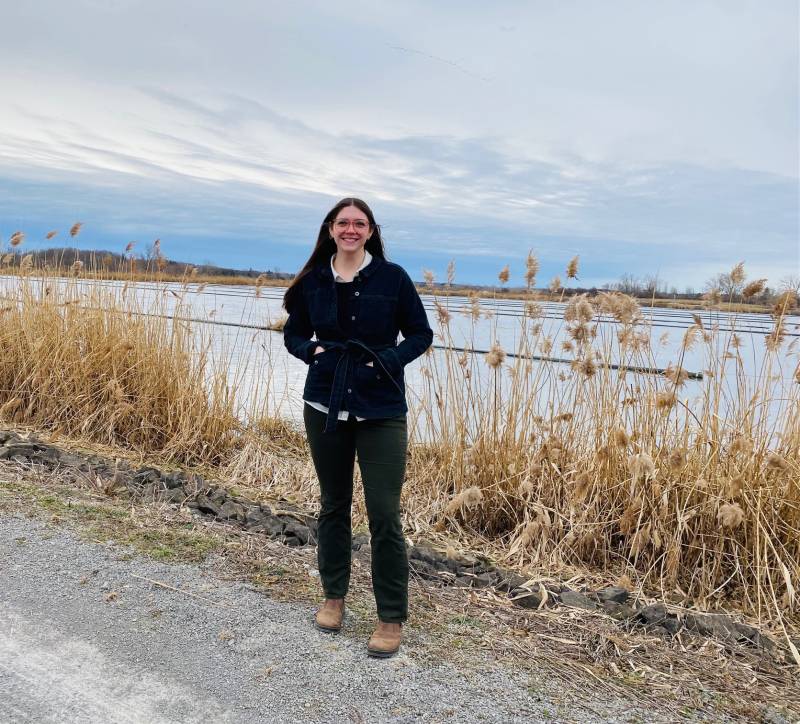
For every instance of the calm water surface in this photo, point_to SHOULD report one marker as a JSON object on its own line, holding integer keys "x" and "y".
{"x": 227, "y": 318}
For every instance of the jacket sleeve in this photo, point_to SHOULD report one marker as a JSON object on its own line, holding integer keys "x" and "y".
{"x": 413, "y": 322}
{"x": 297, "y": 331}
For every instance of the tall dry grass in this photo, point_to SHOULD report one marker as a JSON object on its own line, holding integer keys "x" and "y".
{"x": 690, "y": 487}
{"x": 93, "y": 362}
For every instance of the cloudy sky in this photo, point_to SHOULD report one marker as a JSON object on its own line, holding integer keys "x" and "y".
{"x": 647, "y": 137}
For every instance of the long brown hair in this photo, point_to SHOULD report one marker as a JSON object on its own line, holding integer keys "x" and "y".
{"x": 326, "y": 246}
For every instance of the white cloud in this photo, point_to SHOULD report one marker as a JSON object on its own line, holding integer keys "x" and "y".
{"x": 654, "y": 125}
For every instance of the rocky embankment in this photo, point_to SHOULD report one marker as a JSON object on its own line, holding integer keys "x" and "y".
{"x": 295, "y": 527}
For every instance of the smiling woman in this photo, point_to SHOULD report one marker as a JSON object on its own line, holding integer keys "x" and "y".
{"x": 355, "y": 302}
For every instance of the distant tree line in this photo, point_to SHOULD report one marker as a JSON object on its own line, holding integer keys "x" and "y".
{"x": 729, "y": 286}
{"x": 151, "y": 258}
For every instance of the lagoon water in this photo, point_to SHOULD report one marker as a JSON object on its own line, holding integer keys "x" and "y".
{"x": 231, "y": 321}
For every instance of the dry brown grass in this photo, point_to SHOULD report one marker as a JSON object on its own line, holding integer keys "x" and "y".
{"x": 697, "y": 495}
{"x": 88, "y": 364}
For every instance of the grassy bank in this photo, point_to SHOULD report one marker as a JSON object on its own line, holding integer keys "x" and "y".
{"x": 578, "y": 469}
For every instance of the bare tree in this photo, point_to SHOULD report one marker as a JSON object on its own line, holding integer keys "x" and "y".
{"x": 728, "y": 287}
{"x": 628, "y": 284}
{"x": 790, "y": 283}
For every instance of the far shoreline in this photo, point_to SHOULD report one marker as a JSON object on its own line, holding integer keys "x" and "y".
{"x": 678, "y": 302}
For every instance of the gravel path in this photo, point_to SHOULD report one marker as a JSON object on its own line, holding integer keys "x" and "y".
{"x": 226, "y": 654}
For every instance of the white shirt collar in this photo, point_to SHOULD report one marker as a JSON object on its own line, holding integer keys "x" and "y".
{"x": 337, "y": 278}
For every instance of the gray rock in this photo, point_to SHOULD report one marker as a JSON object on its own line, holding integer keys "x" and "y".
{"x": 619, "y": 611}
{"x": 654, "y": 614}
{"x": 425, "y": 552}
{"x": 270, "y": 525}
{"x": 484, "y": 580}
{"x": 17, "y": 449}
{"x": 424, "y": 569}
{"x": 297, "y": 530}
{"x": 232, "y": 511}
{"x": 172, "y": 495}
{"x": 255, "y": 517}
{"x": 671, "y": 625}
{"x": 525, "y": 598}
{"x": 724, "y": 628}
{"x": 508, "y": 580}
{"x": 47, "y": 454}
{"x": 73, "y": 461}
{"x": 360, "y": 540}
{"x": 174, "y": 480}
{"x": 8, "y": 435}
{"x": 206, "y": 505}
{"x": 613, "y": 593}
{"x": 573, "y": 599}
{"x": 147, "y": 475}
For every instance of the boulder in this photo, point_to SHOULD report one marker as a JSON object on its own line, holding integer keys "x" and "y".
{"x": 652, "y": 615}
{"x": 232, "y": 511}
{"x": 573, "y": 599}
{"x": 424, "y": 569}
{"x": 172, "y": 495}
{"x": 508, "y": 580}
{"x": 18, "y": 449}
{"x": 618, "y": 611}
{"x": 174, "y": 480}
{"x": 724, "y": 628}
{"x": 525, "y": 598}
{"x": 427, "y": 553}
{"x": 296, "y": 530}
{"x": 208, "y": 506}
{"x": 613, "y": 593}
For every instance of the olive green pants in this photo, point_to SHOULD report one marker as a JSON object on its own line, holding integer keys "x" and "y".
{"x": 381, "y": 447}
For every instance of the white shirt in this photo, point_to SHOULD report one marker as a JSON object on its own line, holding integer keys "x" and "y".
{"x": 343, "y": 414}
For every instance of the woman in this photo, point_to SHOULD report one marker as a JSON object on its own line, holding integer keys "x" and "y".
{"x": 354, "y": 302}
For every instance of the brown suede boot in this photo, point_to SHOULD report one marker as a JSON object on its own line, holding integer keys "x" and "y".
{"x": 330, "y": 614}
{"x": 385, "y": 641}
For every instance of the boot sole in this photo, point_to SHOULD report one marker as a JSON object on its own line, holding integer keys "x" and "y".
{"x": 381, "y": 654}
{"x": 328, "y": 629}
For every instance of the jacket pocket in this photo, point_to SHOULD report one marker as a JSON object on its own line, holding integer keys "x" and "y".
{"x": 375, "y": 387}
{"x": 321, "y": 369}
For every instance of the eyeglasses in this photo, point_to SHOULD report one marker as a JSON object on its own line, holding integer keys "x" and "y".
{"x": 358, "y": 224}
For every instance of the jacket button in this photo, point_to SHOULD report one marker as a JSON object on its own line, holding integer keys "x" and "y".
{"x": 349, "y": 390}
{"x": 357, "y": 293}
{"x": 316, "y": 361}
{"x": 353, "y": 317}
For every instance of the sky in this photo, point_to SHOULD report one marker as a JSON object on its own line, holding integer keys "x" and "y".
{"x": 648, "y": 138}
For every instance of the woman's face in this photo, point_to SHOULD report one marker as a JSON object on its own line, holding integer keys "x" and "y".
{"x": 350, "y": 229}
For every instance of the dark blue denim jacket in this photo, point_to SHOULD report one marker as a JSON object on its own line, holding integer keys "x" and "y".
{"x": 384, "y": 302}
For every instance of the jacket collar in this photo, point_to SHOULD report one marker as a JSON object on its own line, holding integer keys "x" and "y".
{"x": 324, "y": 269}
{"x": 365, "y": 263}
